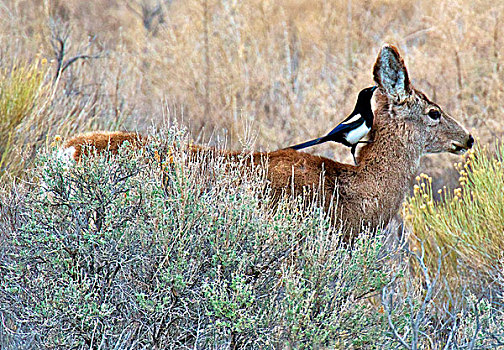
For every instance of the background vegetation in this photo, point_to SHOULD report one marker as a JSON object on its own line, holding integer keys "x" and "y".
{"x": 101, "y": 256}
{"x": 259, "y": 74}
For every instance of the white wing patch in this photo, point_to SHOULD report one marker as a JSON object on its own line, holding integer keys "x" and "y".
{"x": 356, "y": 135}
{"x": 353, "y": 119}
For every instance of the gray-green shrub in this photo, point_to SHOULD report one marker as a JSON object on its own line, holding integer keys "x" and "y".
{"x": 100, "y": 255}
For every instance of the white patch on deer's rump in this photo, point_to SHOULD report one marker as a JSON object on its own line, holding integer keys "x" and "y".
{"x": 67, "y": 155}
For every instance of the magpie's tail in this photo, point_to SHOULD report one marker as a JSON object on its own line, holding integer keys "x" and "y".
{"x": 308, "y": 143}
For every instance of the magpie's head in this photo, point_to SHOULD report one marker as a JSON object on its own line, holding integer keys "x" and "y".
{"x": 431, "y": 129}
{"x": 365, "y": 97}
{"x": 367, "y": 93}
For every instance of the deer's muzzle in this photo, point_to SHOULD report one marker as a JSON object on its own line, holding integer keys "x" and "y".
{"x": 461, "y": 148}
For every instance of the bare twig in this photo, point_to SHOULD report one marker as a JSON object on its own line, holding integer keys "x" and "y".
{"x": 472, "y": 343}
{"x": 149, "y": 13}
{"x": 453, "y": 330}
{"x": 416, "y": 320}
{"x": 430, "y": 285}
{"x": 388, "y": 309}
{"x": 60, "y": 36}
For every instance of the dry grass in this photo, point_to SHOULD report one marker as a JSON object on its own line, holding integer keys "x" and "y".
{"x": 263, "y": 74}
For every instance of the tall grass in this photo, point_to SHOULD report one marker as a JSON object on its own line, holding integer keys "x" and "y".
{"x": 22, "y": 88}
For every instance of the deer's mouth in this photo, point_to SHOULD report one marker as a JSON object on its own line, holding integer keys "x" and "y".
{"x": 458, "y": 148}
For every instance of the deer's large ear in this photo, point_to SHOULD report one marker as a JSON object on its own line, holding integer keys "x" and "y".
{"x": 390, "y": 74}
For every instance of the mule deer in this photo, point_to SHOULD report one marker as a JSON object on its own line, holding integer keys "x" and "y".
{"x": 406, "y": 126}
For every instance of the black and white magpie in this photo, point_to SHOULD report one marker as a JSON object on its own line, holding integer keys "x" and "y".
{"x": 351, "y": 130}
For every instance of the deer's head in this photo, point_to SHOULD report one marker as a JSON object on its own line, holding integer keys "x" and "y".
{"x": 435, "y": 131}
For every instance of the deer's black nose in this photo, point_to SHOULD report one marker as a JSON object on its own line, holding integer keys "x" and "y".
{"x": 470, "y": 141}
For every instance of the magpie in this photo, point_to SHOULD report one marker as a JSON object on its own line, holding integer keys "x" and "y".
{"x": 351, "y": 130}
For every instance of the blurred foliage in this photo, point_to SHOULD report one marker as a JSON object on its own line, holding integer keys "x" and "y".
{"x": 266, "y": 74}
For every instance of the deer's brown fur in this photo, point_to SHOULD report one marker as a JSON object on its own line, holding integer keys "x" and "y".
{"x": 103, "y": 141}
{"x": 370, "y": 193}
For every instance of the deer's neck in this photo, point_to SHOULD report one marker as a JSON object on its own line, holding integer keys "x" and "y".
{"x": 386, "y": 168}
{"x": 394, "y": 152}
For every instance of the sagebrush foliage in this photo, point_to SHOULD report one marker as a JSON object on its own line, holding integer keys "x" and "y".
{"x": 101, "y": 253}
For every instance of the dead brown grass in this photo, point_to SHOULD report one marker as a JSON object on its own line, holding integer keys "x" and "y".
{"x": 264, "y": 74}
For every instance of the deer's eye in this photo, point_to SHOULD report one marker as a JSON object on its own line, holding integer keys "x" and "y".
{"x": 434, "y": 114}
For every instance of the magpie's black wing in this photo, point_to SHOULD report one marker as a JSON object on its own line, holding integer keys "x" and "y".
{"x": 307, "y": 143}
{"x": 350, "y": 123}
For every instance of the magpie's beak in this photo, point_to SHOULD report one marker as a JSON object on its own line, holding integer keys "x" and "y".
{"x": 374, "y": 88}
